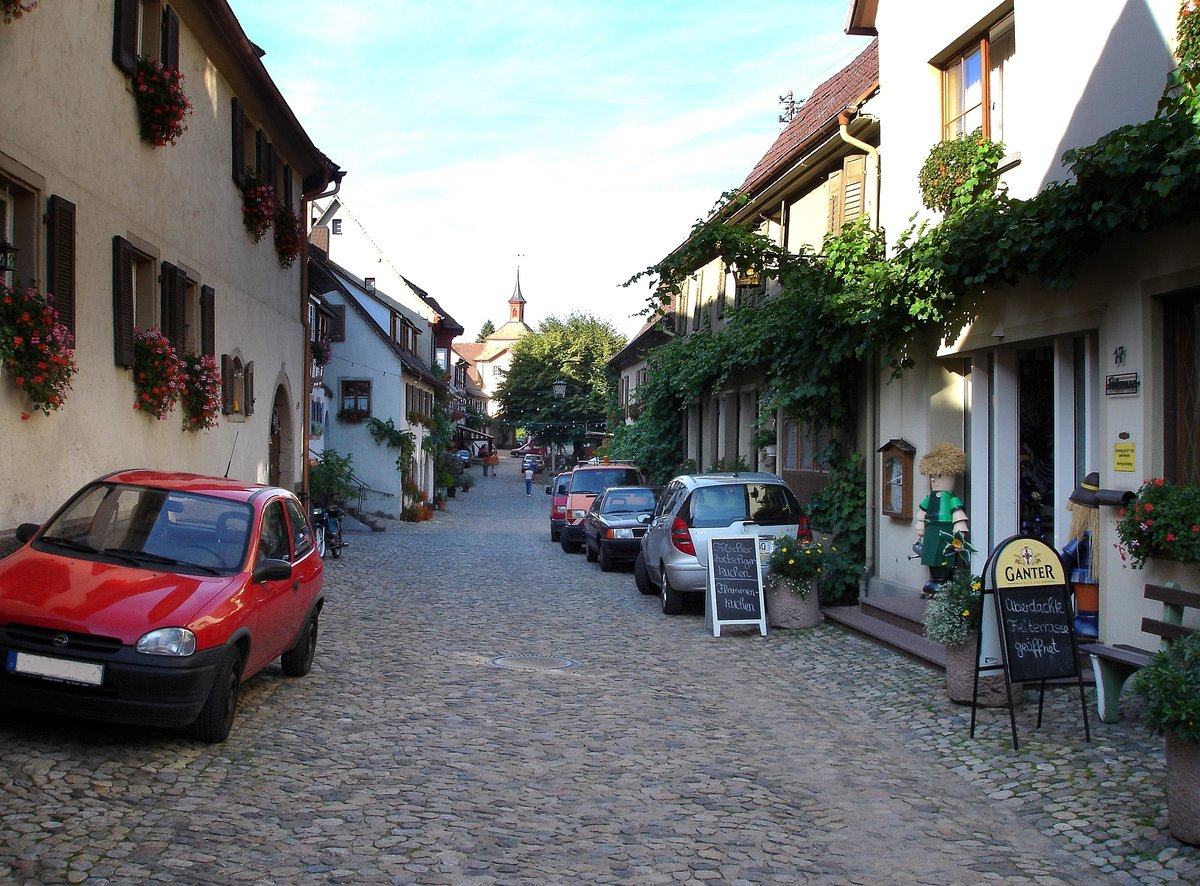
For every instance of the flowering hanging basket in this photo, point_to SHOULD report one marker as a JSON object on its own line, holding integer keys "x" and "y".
{"x": 12, "y": 10}
{"x": 162, "y": 104}
{"x": 288, "y": 237}
{"x": 158, "y": 376}
{"x": 35, "y": 349}
{"x": 201, "y": 395}
{"x": 258, "y": 205}
{"x": 1162, "y": 522}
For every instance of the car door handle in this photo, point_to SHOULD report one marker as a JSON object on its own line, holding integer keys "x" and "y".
{"x": 296, "y": 585}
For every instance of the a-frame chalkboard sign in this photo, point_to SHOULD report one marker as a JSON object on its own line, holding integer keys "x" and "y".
{"x": 1027, "y": 584}
{"x": 735, "y": 591}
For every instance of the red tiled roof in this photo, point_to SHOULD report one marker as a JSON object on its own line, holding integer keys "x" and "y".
{"x": 815, "y": 116}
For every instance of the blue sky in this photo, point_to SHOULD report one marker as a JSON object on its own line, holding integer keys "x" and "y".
{"x": 578, "y": 140}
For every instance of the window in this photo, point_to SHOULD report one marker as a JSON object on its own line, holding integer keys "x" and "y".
{"x": 1181, "y": 383}
{"x": 847, "y": 187}
{"x": 273, "y": 542}
{"x": 801, "y": 448}
{"x": 973, "y": 84}
{"x": 356, "y": 396}
{"x": 302, "y": 541}
{"x": 237, "y": 386}
{"x": 681, "y": 316}
{"x": 722, "y": 279}
{"x": 144, "y": 27}
{"x": 696, "y": 302}
{"x": 442, "y": 357}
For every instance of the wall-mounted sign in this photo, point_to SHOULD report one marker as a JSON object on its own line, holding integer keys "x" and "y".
{"x": 1123, "y": 383}
{"x": 1125, "y": 457}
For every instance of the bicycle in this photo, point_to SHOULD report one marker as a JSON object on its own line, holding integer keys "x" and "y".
{"x": 327, "y": 527}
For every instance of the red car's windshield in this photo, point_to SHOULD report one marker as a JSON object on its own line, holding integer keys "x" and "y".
{"x": 152, "y": 528}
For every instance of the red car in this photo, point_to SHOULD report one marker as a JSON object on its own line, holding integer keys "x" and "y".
{"x": 150, "y": 597}
{"x": 528, "y": 449}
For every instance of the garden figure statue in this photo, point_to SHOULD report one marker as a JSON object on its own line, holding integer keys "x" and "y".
{"x": 1080, "y": 555}
{"x": 942, "y": 522}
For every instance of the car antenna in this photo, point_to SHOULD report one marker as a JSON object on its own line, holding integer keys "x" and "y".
{"x": 230, "y": 465}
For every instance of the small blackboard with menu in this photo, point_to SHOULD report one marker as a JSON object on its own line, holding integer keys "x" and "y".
{"x": 735, "y": 591}
{"x": 1027, "y": 582}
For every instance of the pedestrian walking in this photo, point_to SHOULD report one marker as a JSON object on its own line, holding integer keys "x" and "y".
{"x": 529, "y": 478}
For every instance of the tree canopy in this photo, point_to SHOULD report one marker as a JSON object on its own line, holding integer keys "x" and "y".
{"x": 485, "y": 330}
{"x": 576, "y": 351}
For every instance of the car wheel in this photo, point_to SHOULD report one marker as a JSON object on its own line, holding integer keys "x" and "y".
{"x": 297, "y": 661}
{"x": 641, "y": 576}
{"x": 319, "y": 538}
{"x": 672, "y": 600}
{"x": 589, "y": 551}
{"x": 216, "y": 717}
{"x": 606, "y": 562}
{"x": 567, "y": 545}
{"x": 554, "y": 533}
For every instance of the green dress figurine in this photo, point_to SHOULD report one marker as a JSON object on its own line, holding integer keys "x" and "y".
{"x": 942, "y": 522}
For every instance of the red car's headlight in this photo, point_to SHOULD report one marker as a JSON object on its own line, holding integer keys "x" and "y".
{"x": 168, "y": 641}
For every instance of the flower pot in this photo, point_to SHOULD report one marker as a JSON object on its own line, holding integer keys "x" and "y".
{"x": 1183, "y": 788}
{"x": 960, "y": 679}
{"x": 787, "y": 609}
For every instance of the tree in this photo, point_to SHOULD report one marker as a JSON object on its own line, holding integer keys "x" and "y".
{"x": 576, "y": 351}
{"x": 485, "y": 330}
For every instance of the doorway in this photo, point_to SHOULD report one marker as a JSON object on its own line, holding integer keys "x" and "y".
{"x": 281, "y": 450}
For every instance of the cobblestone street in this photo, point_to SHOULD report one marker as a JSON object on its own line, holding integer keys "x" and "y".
{"x": 439, "y": 740}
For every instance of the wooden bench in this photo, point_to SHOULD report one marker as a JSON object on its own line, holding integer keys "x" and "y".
{"x": 1114, "y": 665}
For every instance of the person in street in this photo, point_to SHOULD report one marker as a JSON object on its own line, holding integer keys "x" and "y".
{"x": 529, "y": 478}
{"x": 484, "y": 454}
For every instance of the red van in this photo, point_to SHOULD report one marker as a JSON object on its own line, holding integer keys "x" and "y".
{"x": 588, "y": 481}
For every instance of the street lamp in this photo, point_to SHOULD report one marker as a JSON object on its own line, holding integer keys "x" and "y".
{"x": 560, "y": 389}
{"x": 8, "y": 257}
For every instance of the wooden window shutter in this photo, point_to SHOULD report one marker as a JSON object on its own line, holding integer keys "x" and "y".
{"x": 60, "y": 258}
{"x": 287, "y": 185}
{"x": 237, "y": 132}
{"x": 260, "y": 155}
{"x": 272, "y": 173}
{"x": 248, "y": 375}
{"x": 208, "y": 321}
{"x": 170, "y": 38}
{"x": 226, "y": 384}
{"x": 854, "y": 180}
{"x": 173, "y": 318}
{"x": 122, "y": 302}
{"x": 125, "y": 32}
{"x": 337, "y": 323}
{"x": 835, "y": 201}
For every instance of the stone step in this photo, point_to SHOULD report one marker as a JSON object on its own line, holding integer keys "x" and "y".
{"x": 891, "y": 625}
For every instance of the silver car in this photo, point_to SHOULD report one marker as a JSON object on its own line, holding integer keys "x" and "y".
{"x": 696, "y": 507}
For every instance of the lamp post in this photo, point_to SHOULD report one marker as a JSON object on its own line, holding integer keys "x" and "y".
{"x": 559, "y": 390}
{"x": 8, "y": 256}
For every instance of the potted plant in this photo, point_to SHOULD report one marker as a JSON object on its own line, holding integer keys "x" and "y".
{"x": 793, "y": 584}
{"x": 14, "y": 9}
{"x": 258, "y": 205}
{"x": 1170, "y": 691}
{"x": 161, "y": 101}
{"x": 201, "y": 395}
{"x": 158, "y": 376}
{"x": 1162, "y": 522}
{"x": 952, "y": 618}
{"x": 322, "y": 352}
{"x": 352, "y": 416}
{"x": 35, "y": 349}
{"x": 288, "y": 236}
{"x": 466, "y": 481}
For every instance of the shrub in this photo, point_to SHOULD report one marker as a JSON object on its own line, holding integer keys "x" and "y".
{"x": 331, "y": 478}
{"x": 959, "y": 171}
{"x": 1170, "y": 689}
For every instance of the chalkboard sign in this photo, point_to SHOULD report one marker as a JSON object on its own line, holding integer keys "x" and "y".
{"x": 1036, "y": 624}
{"x": 735, "y": 593}
{"x": 1033, "y": 606}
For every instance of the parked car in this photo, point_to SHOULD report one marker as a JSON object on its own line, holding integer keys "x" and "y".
{"x": 558, "y": 504}
{"x": 533, "y": 461}
{"x": 150, "y": 597}
{"x": 588, "y": 481}
{"x": 695, "y": 507}
{"x": 530, "y": 448}
{"x": 616, "y": 522}
{"x": 464, "y": 456}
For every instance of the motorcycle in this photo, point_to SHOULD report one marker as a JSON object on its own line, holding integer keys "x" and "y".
{"x": 327, "y": 526}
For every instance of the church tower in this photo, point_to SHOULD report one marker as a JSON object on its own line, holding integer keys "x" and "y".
{"x": 516, "y": 304}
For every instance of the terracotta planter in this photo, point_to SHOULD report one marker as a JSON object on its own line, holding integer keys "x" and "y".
{"x": 960, "y": 679}
{"x": 788, "y": 610}
{"x": 1183, "y": 788}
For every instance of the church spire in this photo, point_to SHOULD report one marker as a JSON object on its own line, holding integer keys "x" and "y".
{"x": 516, "y": 304}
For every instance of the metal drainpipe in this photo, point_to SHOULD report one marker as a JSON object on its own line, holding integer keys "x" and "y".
{"x": 869, "y": 472}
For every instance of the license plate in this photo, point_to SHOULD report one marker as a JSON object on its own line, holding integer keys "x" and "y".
{"x": 61, "y": 669}
{"x": 766, "y": 547}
